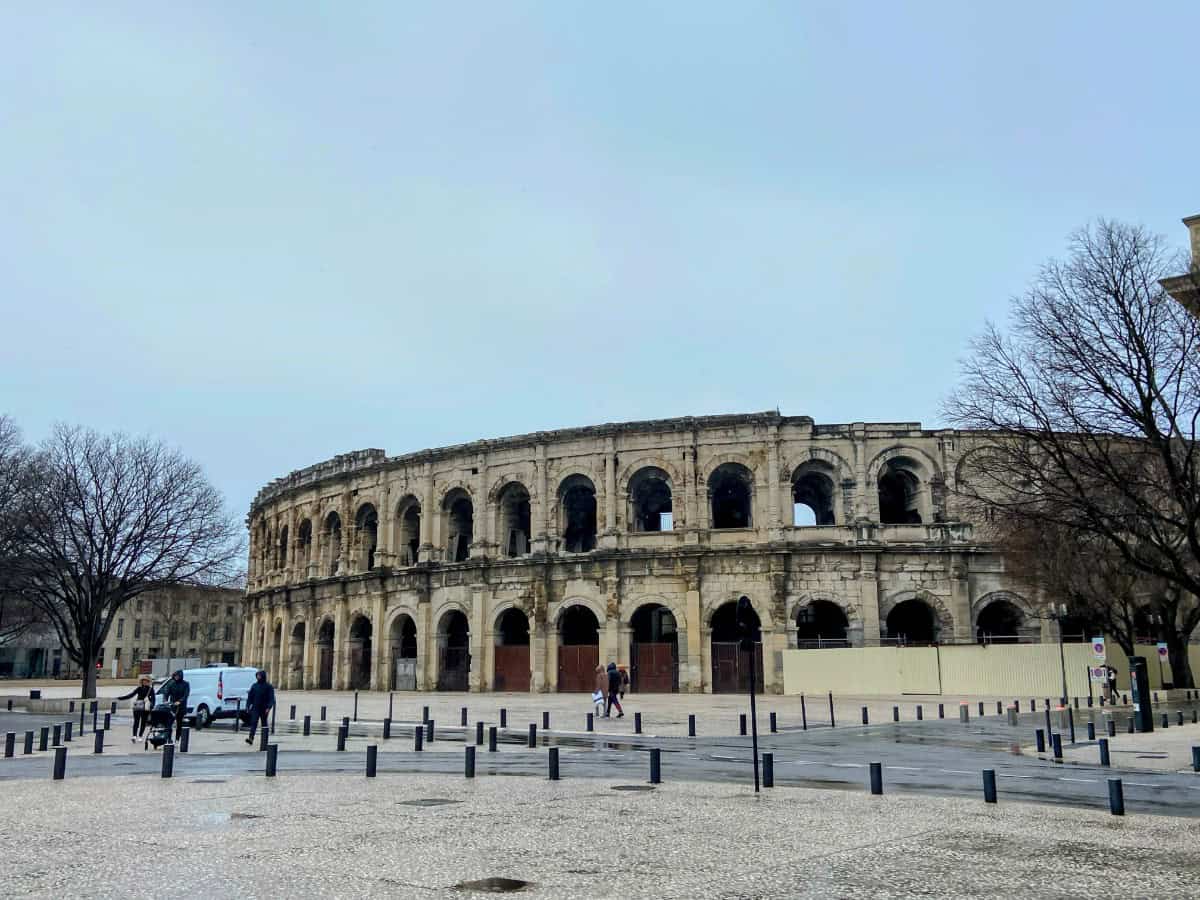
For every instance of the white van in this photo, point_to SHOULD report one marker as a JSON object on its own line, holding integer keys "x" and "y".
{"x": 215, "y": 692}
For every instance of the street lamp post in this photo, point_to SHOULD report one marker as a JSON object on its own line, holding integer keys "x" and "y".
{"x": 1059, "y": 614}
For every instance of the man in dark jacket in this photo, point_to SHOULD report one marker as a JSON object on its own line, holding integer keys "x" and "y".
{"x": 176, "y": 692}
{"x": 260, "y": 699}
{"x": 614, "y": 686}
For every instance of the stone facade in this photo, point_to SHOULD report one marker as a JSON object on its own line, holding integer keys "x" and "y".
{"x": 622, "y": 542}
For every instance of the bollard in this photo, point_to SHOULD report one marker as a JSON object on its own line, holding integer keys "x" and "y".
{"x": 1039, "y": 737}
{"x": 185, "y": 737}
{"x": 274, "y": 716}
{"x": 553, "y": 762}
{"x": 57, "y": 735}
{"x": 964, "y": 713}
{"x": 941, "y": 711}
{"x": 546, "y": 720}
{"x": 98, "y": 742}
{"x": 469, "y": 762}
{"x": 981, "y": 708}
{"x": 1091, "y": 731}
{"x": 113, "y": 709}
{"x": 865, "y": 717}
{"x": 768, "y": 770}
{"x": 168, "y": 760}
{"x": 28, "y": 748}
{"x": 82, "y": 713}
{"x": 503, "y": 717}
{"x": 876, "y": 778}
{"x": 691, "y": 725}
{"x": 742, "y": 724}
{"x": 1156, "y": 696}
{"x": 1131, "y": 724}
{"x": 532, "y": 735}
{"x": 272, "y": 760}
{"x": 1180, "y": 722}
{"x": 10, "y": 744}
{"x": 390, "y": 698}
{"x": 1116, "y": 797}
{"x": 387, "y": 729}
{"x": 262, "y": 739}
{"x": 1101, "y": 701}
{"x": 1089, "y": 701}
{"x": 44, "y": 737}
{"x": 418, "y": 738}
{"x": 989, "y": 785}
{"x": 1112, "y": 727}
{"x": 424, "y": 714}
{"x": 999, "y": 708}
{"x": 920, "y": 713}
{"x": 1193, "y": 717}
{"x": 637, "y": 722}
{"x": 1017, "y": 706}
{"x": 67, "y": 727}
{"x": 60, "y": 764}
{"x": 491, "y": 739}
{"x": 479, "y": 734}
{"x": 429, "y": 732}
{"x": 1056, "y": 741}
{"x": 655, "y": 766}
{"x": 107, "y": 721}
{"x": 1125, "y": 699}
{"x": 292, "y": 713}
{"x": 895, "y": 714}
{"x": 1077, "y": 703}
{"x": 462, "y": 717}
{"x": 591, "y": 723}
{"x": 346, "y": 723}
{"x": 372, "y": 759}
{"x": 307, "y": 725}
{"x": 341, "y": 738}
{"x": 95, "y": 715}
{"x": 1071, "y": 723}
{"x": 774, "y": 724}
{"x": 1196, "y": 759}
{"x": 1166, "y": 721}
{"x": 71, "y": 705}
{"x": 237, "y": 715}
{"x": 832, "y": 721}
{"x": 1104, "y": 761}
{"x": 803, "y": 714}
{"x": 356, "y": 706}
{"x": 1049, "y": 728}
{"x": 322, "y": 713}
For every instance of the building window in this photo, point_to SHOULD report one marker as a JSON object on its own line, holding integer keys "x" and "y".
{"x": 156, "y": 631}
{"x": 138, "y": 607}
{"x": 173, "y": 631}
{"x": 212, "y": 631}
{"x": 195, "y": 609}
{"x": 228, "y": 632}
{"x": 229, "y": 612}
{"x": 135, "y": 654}
{"x": 137, "y": 628}
{"x": 120, "y": 628}
{"x": 193, "y": 631}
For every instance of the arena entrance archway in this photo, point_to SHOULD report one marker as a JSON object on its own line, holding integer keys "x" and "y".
{"x": 821, "y": 624}
{"x": 730, "y": 666}
{"x": 654, "y": 650}
{"x": 325, "y": 637}
{"x": 912, "y": 622}
{"x": 511, "y": 670}
{"x": 403, "y": 638}
{"x": 578, "y": 649}
{"x": 454, "y": 652}
{"x": 360, "y": 654}
{"x": 295, "y": 674}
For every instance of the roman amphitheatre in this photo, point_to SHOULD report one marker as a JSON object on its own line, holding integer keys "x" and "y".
{"x": 520, "y": 563}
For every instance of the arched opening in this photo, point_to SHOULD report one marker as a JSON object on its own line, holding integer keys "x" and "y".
{"x": 333, "y": 540}
{"x": 325, "y": 636}
{"x": 730, "y": 663}
{"x": 295, "y": 675}
{"x": 366, "y": 528}
{"x": 912, "y": 622}
{"x": 513, "y": 511}
{"x": 821, "y": 624}
{"x": 305, "y": 535}
{"x": 264, "y": 549}
{"x": 282, "y": 562}
{"x": 403, "y": 639}
{"x": 812, "y": 496}
{"x": 454, "y": 652}
{"x": 360, "y": 654}
{"x": 999, "y": 622}
{"x": 730, "y": 495}
{"x": 460, "y": 525}
{"x": 512, "y": 652}
{"x": 650, "y": 501}
{"x": 654, "y": 650}
{"x": 409, "y": 539}
{"x": 899, "y": 494}
{"x": 577, "y": 498}
{"x": 578, "y": 649}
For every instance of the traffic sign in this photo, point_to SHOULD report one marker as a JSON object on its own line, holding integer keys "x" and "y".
{"x": 1162, "y": 650}
{"x": 1098, "y": 648}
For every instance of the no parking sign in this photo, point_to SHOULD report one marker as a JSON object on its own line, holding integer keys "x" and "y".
{"x": 1098, "y": 648}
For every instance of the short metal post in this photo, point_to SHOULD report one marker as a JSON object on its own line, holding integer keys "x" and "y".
{"x": 637, "y": 722}
{"x": 895, "y": 714}
{"x": 57, "y": 735}
{"x": 832, "y": 720}
{"x": 390, "y": 699}
{"x": 322, "y": 713}
{"x": 424, "y": 714}
{"x": 999, "y": 708}
{"x": 865, "y": 718}
{"x": 941, "y": 710}
{"x": 429, "y": 732}
{"x": 1111, "y": 727}
{"x": 503, "y": 717}
{"x": 803, "y": 714}
{"x": 44, "y": 737}
{"x": 82, "y": 713}
{"x": 1017, "y": 706}
{"x": 95, "y": 714}
{"x": 468, "y": 762}
{"x": 387, "y": 729}
{"x": 691, "y": 725}
{"x": 1104, "y": 760}
{"x": 1116, "y": 797}
{"x": 920, "y": 713}
{"x": 876, "y": 778}
{"x": 71, "y": 704}
{"x": 742, "y": 724}
{"x": 292, "y": 713}
{"x": 1196, "y": 759}
{"x": 1131, "y": 725}
{"x": 274, "y": 716}
{"x": 107, "y": 721}
{"x": 97, "y": 742}
{"x": 989, "y": 785}
{"x": 1049, "y": 727}
{"x": 262, "y": 739}
{"x": 981, "y": 709}
{"x": 768, "y": 770}
{"x": 341, "y": 738}
{"x": 60, "y": 764}
{"x": 67, "y": 731}
{"x": 462, "y": 717}
{"x": 237, "y": 715}
{"x": 1166, "y": 721}
{"x": 307, "y": 726}
{"x": 532, "y": 734}
{"x": 1039, "y": 737}
{"x": 185, "y": 737}
{"x": 372, "y": 759}
{"x": 590, "y": 721}
{"x": 10, "y": 744}
{"x": 418, "y": 738}
{"x": 546, "y": 720}
{"x": 168, "y": 760}
{"x": 491, "y": 739}
{"x": 553, "y": 762}
{"x": 655, "y": 766}
{"x": 272, "y": 760}
{"x": 1071, "y": 723}
{"x": 1056, "y": 742}
{"x": 28, "y": 748}
{"x": 346, "y": 723}
{"x": 1091, "y": 729}
{"x": 1180, "y": 714}
{"x": 964, "y": 713}
{"x": 479, "y": 734}
{"x": 356, "y": 706}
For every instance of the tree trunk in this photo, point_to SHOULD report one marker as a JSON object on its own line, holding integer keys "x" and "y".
{"x": 1181, "y": 667}
{"x": 88, "y": 690}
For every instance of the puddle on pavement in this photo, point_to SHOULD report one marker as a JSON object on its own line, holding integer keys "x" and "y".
{"x": 428, "y": 801}
{"x": 494, "y": 885}
{"x": 208, "y": 781}
{"x": 633, "y": 787}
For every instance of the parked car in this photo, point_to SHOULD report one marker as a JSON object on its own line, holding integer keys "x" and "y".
{"x": 216, "y": 692}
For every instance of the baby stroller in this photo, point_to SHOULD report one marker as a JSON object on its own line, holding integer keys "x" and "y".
{"x": 162, "y": 720}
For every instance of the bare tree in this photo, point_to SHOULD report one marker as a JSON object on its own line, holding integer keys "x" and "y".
{"x": 1092, "y": 401}
{"x": 110, "y": 518}
{"x": 17, "y": 614}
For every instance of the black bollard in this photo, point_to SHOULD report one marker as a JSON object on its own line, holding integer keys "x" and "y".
{"x": 742, "y": 724}
{"x": 1156, "y": 696}
{"x": 876, "y": 778}
{"x": 469, "y": 762}
{"x": 272, "y": 760}
{"x": 10, "y": 744}
{"x": 691, "y": 725}
{"x": 341, "y": 738}
{"x": 981, "y": 708}
{"x": 356, "y": 706}
{"x": 387, "y": 729}
{"x": 479, "y": 734}
{"x": 989, "y": 785}
{"x": 168, "y": 760}
{"x": 1116, "y": 797}
{"x": 1196, "y": 759}
{"x": 372, "y": 759}
{"x": 262, "y": 739}
{"x": 1180, "y": 722}
{"x": 1077, "y": 703}
{"x": 1112, "y": 727}
{"x": 553, "y": 762}
{"x": 655, "y": 766}
{"x": 503, "y": 717}
{"x": 44, "y": 737}
{"x": 185, "y": 737}
{"x": 491, "y": 739}
{"x": 1056, "y": 742}
{"x": 803, "y": 714}
{"x": 346, "y": 723}
{"x": 1166, "y": 721}
{"x": 999, "y": 708}
{"x": 418, "y": 738}
{"x": 1104, "y": 752}
{"x": 274, "y": 715}
{"x": 768, "y": 770}
{"x": 832, "y": 720}
{"x": 637, "y": 722}
{"x": 532, "y": 735}
{"x": 1131, "y": 725}
{"x": 237, "y": 715}
{"x": 107, "y": 721}
{"x": 390, "y": 698}
{"x": 424, "y": 714}
{"x": 1017, "y": 706}
{"x": 322, "y": 713}
{"x": 1193, "y": 717}
{"x": 307, "y": 725}
{"x": 920, "y": 713}
{"x": 60, "y": 764}
{"x": 98, "y": 742}
{"x": 71, "y": 705}
{"x": 1091, "y": 731}
{"x": 462, "y": 717}
{"x": 95, "y": 715}
{"x": 429, "y": 732}
{"x": 895, "y": 714}
{"x": 1039, "y": 737}
{"x": 57, "y": 735}
{"x": 28, "y": 748}
{"x": 591, "y": 722}
{"x": 82, "y": 713}
{"x": 1089, "y": 701}
{"x": 941, "y": 710}
{"x": 546, "y": 720}
{"x": 864, "y": 717}
{"x": 67, "y": 727}
{"x": 292, "y": 713}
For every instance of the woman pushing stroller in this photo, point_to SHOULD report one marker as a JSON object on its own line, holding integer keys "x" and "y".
{"x": 143, "y": 702}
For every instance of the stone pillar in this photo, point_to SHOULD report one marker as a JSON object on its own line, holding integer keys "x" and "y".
{"x": 341, "y": 641}
{"x": 773, "y": 520}
{"x": 862, "y": 509}
{"x": 691, "y": 663}
{"x": 429, "y": 516}
{"x": 551, "y": 656}
{"x": 385, "y": 533}
{"x": 694, "y": 520}
{"x": 481, "y": 528}
{"x": 479, "y": 603}
{"x": 283, "y": 676}
{"x": 537, "y": 654}
{"x": 378, "y": 639}
{"x": 775, "y": 642}
{"x": 960, "y": 599}
{"x": 541, "y": 540}
{"x": 608, "y": 535}
{"x": 868, "y": 597}
{"x": 426, "y": 647}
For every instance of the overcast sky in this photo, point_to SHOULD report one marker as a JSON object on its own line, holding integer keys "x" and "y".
{"x": 273, "y": 232}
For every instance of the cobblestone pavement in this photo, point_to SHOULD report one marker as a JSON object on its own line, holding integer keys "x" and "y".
{"x": 406, "y": 836}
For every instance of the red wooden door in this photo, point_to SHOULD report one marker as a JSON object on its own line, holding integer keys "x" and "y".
{"x": 512, "y": 668}
{"x": 730, "y": 673}
{"x": 577, "y": 667}
{"x": 656, "y": 669}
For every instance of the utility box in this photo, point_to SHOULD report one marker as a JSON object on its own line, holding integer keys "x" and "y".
{"x": 1139, "y": 690}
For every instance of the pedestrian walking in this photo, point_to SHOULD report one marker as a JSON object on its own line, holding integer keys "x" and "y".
{"x": 175, "y": 692}
{"x": 260, "y": 699}
{"x": 624, "y": 681}
{"x": 1112, "y": 685}
{"x": 143, "y": 702}
{"x": 600, "y": 690}
{"x": 614, "y": 687}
